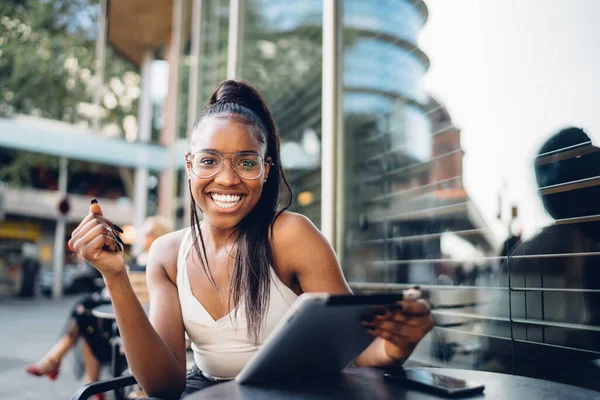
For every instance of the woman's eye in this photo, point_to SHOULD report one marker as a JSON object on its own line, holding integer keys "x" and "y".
{"x": 247, "y": 163}
{"x": 208, "y": 161}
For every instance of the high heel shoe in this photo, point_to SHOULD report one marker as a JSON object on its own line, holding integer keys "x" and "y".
{"x": 34, "y": 369}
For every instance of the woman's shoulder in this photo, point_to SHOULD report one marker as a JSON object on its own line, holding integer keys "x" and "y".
{"x": 164, "y": 250}
{"x": 292, "y": 233}
{"x": 290, "y": 224}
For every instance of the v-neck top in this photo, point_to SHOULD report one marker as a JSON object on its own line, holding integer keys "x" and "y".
{"x": 222, "y": 347}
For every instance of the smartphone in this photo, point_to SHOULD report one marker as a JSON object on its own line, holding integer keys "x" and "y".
{"x": 435, "y": 383}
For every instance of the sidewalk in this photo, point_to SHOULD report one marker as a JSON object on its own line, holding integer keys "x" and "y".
{"x": 28, "y": 328}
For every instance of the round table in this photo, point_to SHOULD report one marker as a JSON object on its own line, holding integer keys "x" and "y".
{"x": 106, "y": 311}
{"x": 368, "y": 383}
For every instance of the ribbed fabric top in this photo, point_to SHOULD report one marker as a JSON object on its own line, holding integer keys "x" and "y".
{"x": 222, "y": 347}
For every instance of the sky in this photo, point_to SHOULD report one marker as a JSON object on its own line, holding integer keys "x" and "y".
{"x": 512, "y": 73}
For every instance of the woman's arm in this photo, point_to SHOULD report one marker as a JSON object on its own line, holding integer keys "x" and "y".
{"x": 155, "y": 351}
{"x": 301, "y": 250}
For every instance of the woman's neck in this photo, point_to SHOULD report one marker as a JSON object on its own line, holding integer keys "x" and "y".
{"x": 215, "y": 238}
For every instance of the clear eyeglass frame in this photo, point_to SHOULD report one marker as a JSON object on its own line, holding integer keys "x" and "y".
{"x": 221, "y": 156}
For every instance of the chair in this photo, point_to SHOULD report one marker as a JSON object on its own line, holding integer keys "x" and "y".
{"x": 116, "y": 384}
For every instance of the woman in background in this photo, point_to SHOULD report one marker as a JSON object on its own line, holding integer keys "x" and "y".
{"x": 95, "y": 332}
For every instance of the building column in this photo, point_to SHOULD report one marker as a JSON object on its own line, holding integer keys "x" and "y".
{"x": 140, "y": 196}
{"x": 331, "y": 127}
{"x": 59, "y": 233}
{"x": 234, "y": 54}
{"x": 168, "y": 178}
{"x": 99, "y": 65}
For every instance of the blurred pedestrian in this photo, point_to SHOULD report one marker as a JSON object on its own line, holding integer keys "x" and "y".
{"x": 96, "y": 332}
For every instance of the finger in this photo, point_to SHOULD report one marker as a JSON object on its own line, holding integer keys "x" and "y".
{"x": 91, "y": 245}
{"x": 87, "y": 218}
{"x": 92, "y": 230}
{"x": 415, "y": 307}
{"x": 111, "y": 243}
{"x": 423, "y": 322}
{"x": 82, "y": 230}
{"x": 95, "y": 207}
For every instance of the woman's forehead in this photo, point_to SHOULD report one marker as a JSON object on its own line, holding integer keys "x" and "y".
{"x": 225, "y": 135}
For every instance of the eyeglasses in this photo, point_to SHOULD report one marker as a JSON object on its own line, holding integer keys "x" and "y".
{"x": 206, "y": 164}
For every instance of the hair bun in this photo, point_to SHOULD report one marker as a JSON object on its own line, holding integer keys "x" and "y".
{"x": 243, "y": 94}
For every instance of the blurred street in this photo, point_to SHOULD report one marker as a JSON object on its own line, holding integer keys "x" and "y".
{"x": 27, "y": 331}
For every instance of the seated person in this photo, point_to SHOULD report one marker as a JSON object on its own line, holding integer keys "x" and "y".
{"x": 227, "y": 280}
{"x": 96, "y": 332}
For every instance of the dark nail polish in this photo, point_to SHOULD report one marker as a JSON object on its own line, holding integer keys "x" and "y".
{"x": 94, "y": 201}
{"x": 120, "y": 240}
{"x": 380, "y": 312}
{"x": 367, "y": 318}
{"x": 118, "y": 228}
{"x": 417, "y": 287}
{"x": 396, "y": 307}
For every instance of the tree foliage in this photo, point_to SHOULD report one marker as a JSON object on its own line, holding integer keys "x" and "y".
{"x": 47, "y": 65}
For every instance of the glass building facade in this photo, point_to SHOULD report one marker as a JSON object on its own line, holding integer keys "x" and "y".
{"x": 400, "y": 209}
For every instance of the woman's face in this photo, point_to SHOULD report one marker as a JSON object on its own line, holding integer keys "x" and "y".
{"x": 225, "y": 198}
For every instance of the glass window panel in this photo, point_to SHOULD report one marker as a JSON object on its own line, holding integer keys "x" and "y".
{"x": 460, "y": 176}
{"x": 281, "y": 47}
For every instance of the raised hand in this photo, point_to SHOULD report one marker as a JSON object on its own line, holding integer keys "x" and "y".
{"x": 96, "y": 241}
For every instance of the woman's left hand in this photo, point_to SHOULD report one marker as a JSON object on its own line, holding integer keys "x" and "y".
{"x": 402, "y": 327}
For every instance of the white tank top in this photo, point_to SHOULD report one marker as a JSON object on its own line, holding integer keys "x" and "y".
{"x": 222, "y": 347}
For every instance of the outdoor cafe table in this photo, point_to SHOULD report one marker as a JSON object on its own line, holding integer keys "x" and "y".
{"x": 106, "y": 311}
{"x": 368, "y": 383}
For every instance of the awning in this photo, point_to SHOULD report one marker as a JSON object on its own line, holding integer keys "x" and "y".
{"x": 65, "y": 140}
{"x": 137, "y": 25}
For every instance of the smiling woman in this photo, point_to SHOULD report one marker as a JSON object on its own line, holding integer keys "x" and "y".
{"x": 228, "y": 280}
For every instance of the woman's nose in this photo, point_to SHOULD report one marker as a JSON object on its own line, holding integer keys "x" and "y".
{"x": 226, "y": 176}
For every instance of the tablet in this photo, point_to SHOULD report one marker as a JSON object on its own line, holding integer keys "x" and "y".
{"x": 320, "y": 334}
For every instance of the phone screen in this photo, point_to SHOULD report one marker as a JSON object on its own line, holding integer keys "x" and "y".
{"x": 438, "y": 383}
{"x": 433, "y": 379}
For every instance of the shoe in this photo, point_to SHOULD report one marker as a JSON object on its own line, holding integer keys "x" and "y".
{"x": 34, "y": 369}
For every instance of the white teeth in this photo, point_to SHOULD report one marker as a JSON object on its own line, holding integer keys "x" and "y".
{"x": 225, "y": 200}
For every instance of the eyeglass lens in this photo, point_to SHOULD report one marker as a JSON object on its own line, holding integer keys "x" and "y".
{"x": 246, "y": 165}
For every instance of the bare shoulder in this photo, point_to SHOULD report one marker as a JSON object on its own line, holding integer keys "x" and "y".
{"x": 294, "y": 235}
{"x": 164, "y": 251}
{"x": 291, "y": 227}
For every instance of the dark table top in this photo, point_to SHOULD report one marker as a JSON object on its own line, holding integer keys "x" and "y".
{"x": 368, "y": 383}
{"x": 107, "y": 311}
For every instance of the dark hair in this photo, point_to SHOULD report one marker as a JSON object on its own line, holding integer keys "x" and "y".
{"x": 561, "y": 168}
{"x": 251, "y": 276}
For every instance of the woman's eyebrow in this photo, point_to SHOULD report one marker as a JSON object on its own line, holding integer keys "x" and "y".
{"x": 228, "y": 152}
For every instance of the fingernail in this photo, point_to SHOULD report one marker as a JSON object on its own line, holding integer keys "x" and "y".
{"x": 120, "y": 240}
{"x": 380, "y": 312}
{"x": 118, "y": 228}
{"x": 417, "y": 287}
{"x": 367, "y": 318}
{"x": 396, "y": 307}
{"x": 94, "y": 201}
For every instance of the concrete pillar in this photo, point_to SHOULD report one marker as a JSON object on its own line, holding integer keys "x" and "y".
{"x": 332, "y": 172}
{"x": 59, "y": 233}
{"x": 140, "y": 196}
{"x": 234, "y": 54}
{"x": 166, "y": 190}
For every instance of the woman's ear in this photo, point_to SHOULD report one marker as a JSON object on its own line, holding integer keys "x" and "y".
{"x": 188, "y": 164}
{"x": 268, "y": 163}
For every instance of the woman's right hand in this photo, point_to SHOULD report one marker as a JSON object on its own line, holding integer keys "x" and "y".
{"x": 94, "y": 241}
